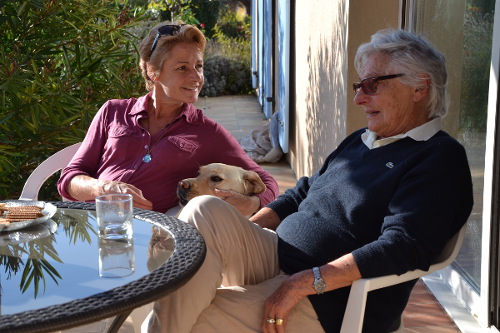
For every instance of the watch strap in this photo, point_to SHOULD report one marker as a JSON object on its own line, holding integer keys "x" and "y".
{"x": 319, "y": 284}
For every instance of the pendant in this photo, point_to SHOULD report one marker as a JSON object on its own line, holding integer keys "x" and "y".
{"x": 147, "y": 158}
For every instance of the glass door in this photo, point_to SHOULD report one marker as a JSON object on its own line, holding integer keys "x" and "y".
{"x": 263, "y": 52}
{"x": 283, "y": 79}
{"x": 463, "y": 31}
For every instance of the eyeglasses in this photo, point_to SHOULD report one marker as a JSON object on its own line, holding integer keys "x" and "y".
{"x": 369, "y": 85}
{"x": 165, "y": 30}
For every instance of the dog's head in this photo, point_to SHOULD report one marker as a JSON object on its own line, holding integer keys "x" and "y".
{"x": 219, "y": 176}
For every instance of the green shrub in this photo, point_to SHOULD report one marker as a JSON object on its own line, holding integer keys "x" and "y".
{"x": 224, "y": 76}
{"x": 233, "y": 23}
{"x": 207, "y": 13}
{"x": 203, "y": 13}
{"x": 228, "y": 55}
{"x": 227, "y": 29}
{"x": 59, "y": 62}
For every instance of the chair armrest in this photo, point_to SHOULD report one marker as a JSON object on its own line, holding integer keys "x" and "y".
{"x": 356, "y": 304}
{"x": 47, "y": 168}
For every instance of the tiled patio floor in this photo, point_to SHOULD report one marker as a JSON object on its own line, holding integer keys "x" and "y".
{"x": 240, "y": 115}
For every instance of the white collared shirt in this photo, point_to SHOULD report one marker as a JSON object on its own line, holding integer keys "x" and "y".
{"x": 421, "y": 133}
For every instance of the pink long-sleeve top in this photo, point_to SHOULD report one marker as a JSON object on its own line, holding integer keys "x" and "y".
{"x": 116, "y": 143}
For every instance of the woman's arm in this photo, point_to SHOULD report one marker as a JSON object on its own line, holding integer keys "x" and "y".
{"x": 78, "y": 180}
{"x": 336, "y": 274}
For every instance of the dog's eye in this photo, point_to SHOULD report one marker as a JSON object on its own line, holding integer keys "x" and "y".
{"x": 216, "y": 179}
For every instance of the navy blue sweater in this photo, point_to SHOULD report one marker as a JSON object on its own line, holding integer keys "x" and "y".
{"x": 392, "y": 207}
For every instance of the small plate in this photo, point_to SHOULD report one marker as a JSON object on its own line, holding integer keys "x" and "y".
{"x": 48, "y": 211}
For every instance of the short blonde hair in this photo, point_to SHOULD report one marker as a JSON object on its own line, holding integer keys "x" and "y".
{"x": 187, "y": 34}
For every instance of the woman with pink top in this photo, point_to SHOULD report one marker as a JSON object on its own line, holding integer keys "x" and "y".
{"x": 144, "y": 146}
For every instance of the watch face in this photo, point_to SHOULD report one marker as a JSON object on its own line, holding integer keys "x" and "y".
{"x": 319, "y": 286}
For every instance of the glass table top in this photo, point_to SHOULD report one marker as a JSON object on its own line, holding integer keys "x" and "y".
{"x": 55, "y": 272}
{"x": 57, "y": 261}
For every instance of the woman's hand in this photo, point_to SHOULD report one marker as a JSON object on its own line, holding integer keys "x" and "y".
{"x": 278, "y": 305}
{"x": 119, "y": 187}
{"x": 266, "y": 218}
{"x": 86, "y": 188}
{"x": 244, "y": 204}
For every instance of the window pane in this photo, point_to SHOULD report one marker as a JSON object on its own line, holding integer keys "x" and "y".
{"x": 478, "y": 31}
{"x": 468, "y": 54}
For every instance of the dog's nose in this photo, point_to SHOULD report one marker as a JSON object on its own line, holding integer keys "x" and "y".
{"x": 182, "y": 184}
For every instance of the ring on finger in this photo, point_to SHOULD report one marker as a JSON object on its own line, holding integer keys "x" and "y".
{"x": 279, "y": 321}
{"x": 270, "y": 320}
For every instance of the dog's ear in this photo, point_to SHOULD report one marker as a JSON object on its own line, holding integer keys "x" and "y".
{"x": 253, "y": 183}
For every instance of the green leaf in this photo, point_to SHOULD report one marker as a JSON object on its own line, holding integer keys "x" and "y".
{"x": 59, "y": 62}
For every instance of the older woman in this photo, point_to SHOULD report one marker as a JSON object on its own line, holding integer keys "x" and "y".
{"x": 385, "y": 202}
{"x": 144, "y": 146}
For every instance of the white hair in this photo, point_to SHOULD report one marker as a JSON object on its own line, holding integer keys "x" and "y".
{"x": 414, "y": 56}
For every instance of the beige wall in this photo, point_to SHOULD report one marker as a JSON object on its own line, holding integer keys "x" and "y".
{"x": 327, "y": 34}
{"x": 365, "y": 18}
{"x": 320, "y": 82}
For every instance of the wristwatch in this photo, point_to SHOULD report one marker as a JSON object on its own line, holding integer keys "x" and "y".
{"x": 319, "y": 285}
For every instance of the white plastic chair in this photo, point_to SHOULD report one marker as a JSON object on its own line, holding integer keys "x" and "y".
{"x": 46, "y": 169}
{"x": 355, "y": 310}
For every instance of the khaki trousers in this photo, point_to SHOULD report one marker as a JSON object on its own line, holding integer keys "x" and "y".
{"x": 240, "y": 272}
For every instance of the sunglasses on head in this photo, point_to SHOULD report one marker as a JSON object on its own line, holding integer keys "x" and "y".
{"x": 369, "y": 85}
{"x": 165, "y": 30}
